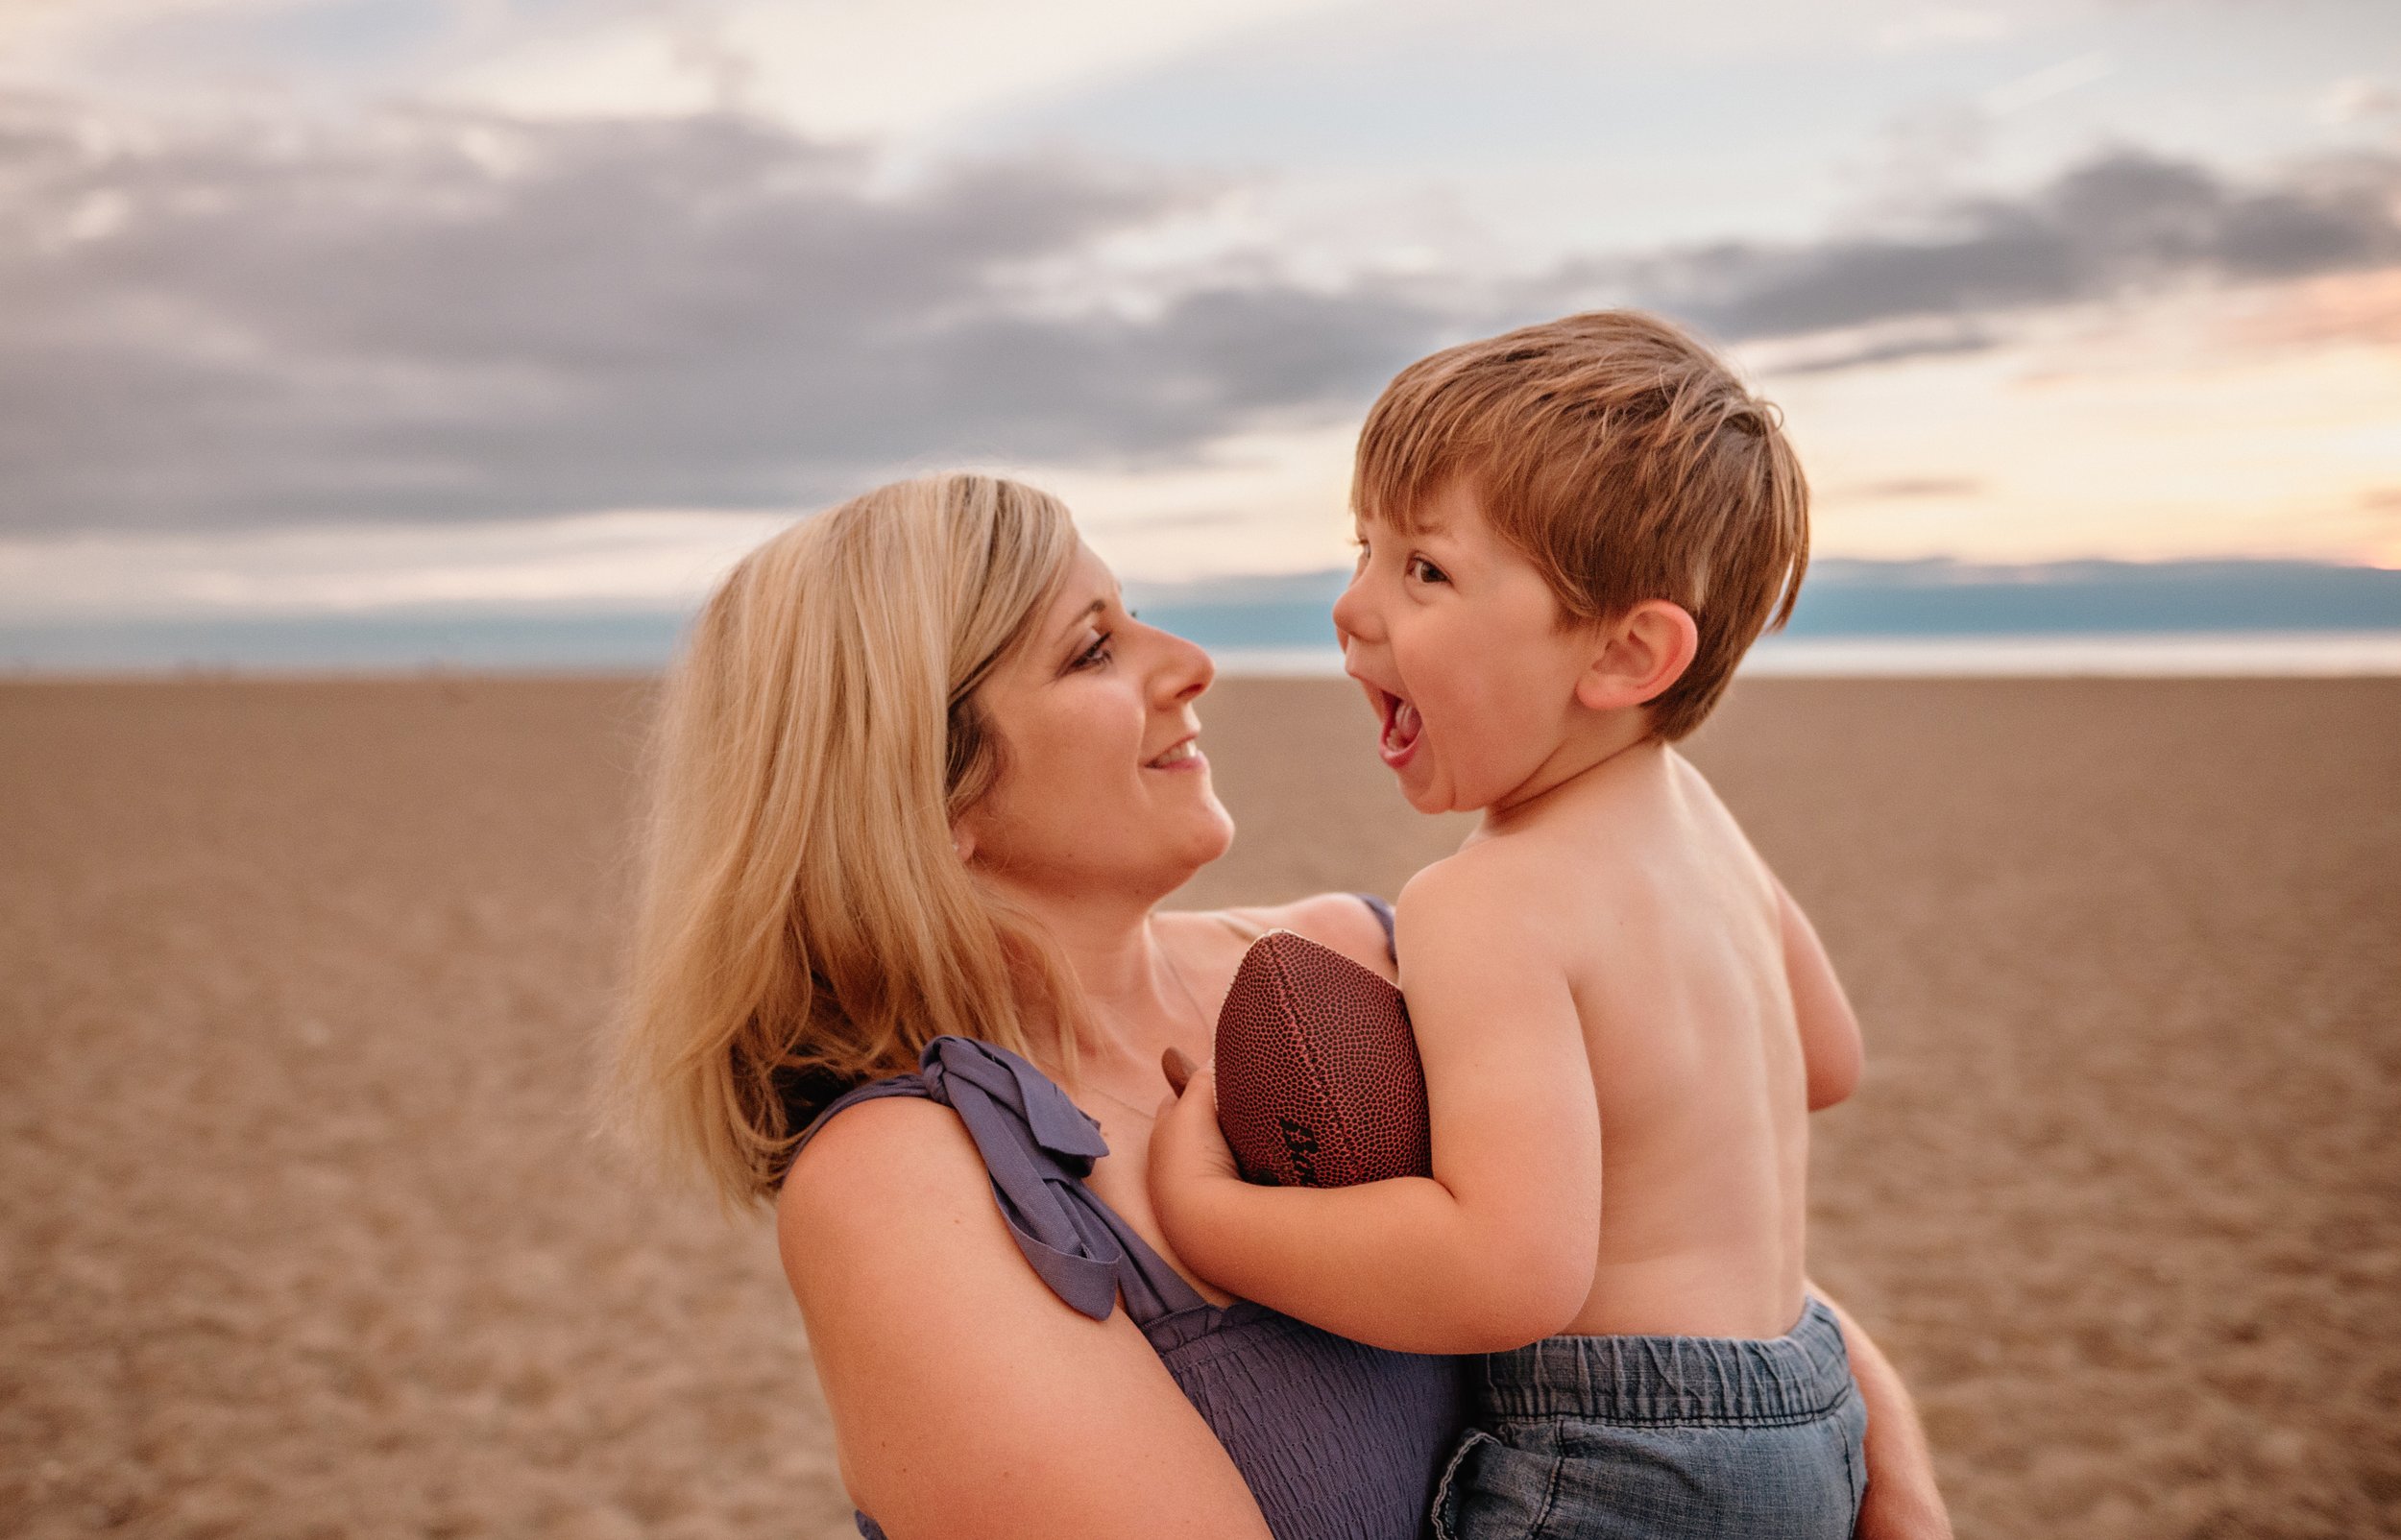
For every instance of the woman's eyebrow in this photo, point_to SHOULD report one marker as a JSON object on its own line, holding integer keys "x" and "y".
{"x": 1082, "y": 617}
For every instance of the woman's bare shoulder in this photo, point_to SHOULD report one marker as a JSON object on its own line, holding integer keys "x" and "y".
{"x": 950, "y": 1369}
{"x": 888, "y": 1223}
{"x": 875, "y": 1175}
{"x": 1341, "y": 921}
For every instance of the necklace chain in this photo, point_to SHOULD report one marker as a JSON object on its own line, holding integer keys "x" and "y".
{"x": 1190, "y": 998}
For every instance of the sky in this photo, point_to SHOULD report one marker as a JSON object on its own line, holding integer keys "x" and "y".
{"x": 393, "y": 306}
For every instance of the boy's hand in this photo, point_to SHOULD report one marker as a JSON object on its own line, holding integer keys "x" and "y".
{"x": 1187, "y": 1147}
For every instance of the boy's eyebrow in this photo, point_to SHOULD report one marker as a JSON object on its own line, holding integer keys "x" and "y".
{"x": 1419, "y": 521}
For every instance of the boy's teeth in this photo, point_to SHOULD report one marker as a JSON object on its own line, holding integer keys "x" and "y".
{"x": 1405, "y": 722}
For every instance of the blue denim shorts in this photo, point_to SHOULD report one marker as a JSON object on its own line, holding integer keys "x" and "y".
{"x": 1661, "y": 1437}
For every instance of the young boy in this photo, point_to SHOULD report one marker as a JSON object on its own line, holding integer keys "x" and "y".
{"x": 1569, "y": 537}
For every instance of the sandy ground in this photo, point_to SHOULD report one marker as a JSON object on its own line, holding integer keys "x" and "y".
{"x": 303, "y": 1231}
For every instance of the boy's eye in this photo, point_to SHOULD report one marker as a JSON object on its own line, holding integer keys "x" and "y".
{"x": 1425, "y": 571}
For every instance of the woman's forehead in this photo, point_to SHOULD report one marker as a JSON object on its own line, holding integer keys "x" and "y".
{"x": 1087, "y": 584}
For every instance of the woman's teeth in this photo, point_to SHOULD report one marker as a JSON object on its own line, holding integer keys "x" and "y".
{"x": 1177, "y": 754}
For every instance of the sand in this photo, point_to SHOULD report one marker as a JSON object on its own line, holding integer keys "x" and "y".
{"x": 302, "y": 1230}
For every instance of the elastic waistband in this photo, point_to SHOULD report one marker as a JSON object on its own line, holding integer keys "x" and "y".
{"x": 1718, "y": 1381}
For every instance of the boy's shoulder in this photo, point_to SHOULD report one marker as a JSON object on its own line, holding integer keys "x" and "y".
{"x": 1639, "y": 849}
{"x": 1493, "y": 884}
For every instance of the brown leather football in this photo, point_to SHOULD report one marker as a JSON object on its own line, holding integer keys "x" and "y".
{"x": 1318, "y": 1078}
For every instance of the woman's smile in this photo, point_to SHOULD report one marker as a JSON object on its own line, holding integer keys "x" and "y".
{"x": 1184, "y": 755}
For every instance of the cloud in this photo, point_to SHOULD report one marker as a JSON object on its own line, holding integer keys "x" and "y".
{"x": 441, "y": 315}
{"x": 1940, "y": 27}
{"x": 2359, "y": 99}
{"x": 2121, "y": 223}
{"x": 1858, "y": 347}
{"x": 1912, "y": 488}
{"x": 2054, "y": 80}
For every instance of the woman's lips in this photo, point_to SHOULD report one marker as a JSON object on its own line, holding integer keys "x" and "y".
{"x": 1402, "y": 726}
{"x": 1183, "y": 756}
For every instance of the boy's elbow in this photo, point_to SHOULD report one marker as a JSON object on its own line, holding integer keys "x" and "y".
{"x": 1833, "y": 1076}
{"x": 1506, "y": 1328}
{"x": 1530, "y": 1304}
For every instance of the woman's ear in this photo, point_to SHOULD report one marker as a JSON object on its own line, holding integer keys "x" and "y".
{"x": 1639, "y": 655}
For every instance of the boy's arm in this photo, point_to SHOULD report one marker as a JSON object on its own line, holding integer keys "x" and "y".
{"x": 1901, "y": 1501}
{"x": 1830, "y": 1032}
{"x": 1496, "y": 1248}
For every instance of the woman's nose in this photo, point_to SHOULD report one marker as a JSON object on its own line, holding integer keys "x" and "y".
{"x": 1185, "y": 670}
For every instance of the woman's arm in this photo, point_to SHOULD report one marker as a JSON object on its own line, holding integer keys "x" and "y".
{"x": 1902, "y": 1502}
{"x": 968, "y": 1400}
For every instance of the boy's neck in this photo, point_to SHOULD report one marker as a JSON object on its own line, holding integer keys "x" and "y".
{"x": 1595, "y": 741}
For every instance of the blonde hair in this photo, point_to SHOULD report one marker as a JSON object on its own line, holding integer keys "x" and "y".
{"x": 805, "y": 923}
{"x": 1625, "y": 461}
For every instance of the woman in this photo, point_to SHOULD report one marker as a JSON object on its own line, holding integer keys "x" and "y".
{"x": 922, "y": 782}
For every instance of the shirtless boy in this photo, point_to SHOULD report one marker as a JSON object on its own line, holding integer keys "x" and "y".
{"x": 1570, "y": 535}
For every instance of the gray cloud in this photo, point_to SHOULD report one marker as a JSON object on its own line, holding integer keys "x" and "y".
{"x": 2121, "y": 223}
{"x": 438, "y": 317}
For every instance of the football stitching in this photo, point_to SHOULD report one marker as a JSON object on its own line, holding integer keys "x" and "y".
{"x": 1320, "y": 1087}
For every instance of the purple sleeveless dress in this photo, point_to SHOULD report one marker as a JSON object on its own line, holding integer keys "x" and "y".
{"x": 1338, "y": 1440}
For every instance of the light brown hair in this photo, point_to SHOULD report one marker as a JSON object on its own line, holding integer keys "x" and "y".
{"x": 1625, "y": 461}
{"x": 804, "y": 923}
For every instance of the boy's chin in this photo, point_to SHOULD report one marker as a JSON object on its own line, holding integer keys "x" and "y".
{"x": 1425, "y": 795}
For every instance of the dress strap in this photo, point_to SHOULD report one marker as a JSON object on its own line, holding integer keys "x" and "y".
{"x": 1038, "y": 1146}
{"x": 1383, "y": 913}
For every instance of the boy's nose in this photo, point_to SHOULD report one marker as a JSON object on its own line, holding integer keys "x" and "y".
{"x": 1354, "y": 615}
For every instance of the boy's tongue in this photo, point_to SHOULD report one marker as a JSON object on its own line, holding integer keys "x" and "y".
{"x": 1401, "y": 733}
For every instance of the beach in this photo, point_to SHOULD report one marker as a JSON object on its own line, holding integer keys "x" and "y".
{"x": 308, "y": 1227}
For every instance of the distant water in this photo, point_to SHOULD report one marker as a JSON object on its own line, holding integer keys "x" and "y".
{"x": 2198, "y": 655}
{"x": 2215, "y": 655}
{"x": 2192, "y": 618}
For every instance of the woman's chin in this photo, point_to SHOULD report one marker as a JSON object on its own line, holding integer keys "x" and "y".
{"x": 1210, "y": 836}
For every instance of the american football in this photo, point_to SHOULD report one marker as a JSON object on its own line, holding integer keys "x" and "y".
{"x": 1318, "y": 1078}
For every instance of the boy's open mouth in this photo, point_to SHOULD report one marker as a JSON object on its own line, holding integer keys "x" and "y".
{"x": 1401, "y": 727}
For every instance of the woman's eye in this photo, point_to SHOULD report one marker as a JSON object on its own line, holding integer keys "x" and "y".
{"x": 1425, "y": 571}
{"x": 1096, "y": 654}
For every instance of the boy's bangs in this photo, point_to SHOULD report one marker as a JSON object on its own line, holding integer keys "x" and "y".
{"x": 1422, "y": 437}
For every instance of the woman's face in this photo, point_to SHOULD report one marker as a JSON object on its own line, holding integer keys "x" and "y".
{"x": 1103, "y": 788}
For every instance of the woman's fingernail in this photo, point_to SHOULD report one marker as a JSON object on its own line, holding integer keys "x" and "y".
{"x": 1178, "y": 1066}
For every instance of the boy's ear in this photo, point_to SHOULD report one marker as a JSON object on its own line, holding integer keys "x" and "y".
{"x": 1638, "y": 656}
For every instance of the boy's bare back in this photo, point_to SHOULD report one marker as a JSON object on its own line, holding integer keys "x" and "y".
{"x": 1709, "y": 1018}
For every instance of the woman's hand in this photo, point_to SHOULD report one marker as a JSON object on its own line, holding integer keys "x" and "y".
{"x": 1901, "y": 1502}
